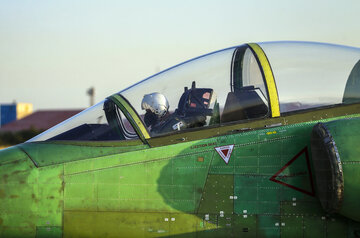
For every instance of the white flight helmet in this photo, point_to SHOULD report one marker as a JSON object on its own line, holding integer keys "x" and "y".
{"x": 156, "y": 103}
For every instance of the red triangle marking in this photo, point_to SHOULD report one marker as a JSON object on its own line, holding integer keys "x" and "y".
{"x": 225, "y": 152}
{"x": 273, "y": 178}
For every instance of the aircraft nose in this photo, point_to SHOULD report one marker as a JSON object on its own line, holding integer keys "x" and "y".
{"x": 15, "y": 165}
{"x": 16, "y": 191}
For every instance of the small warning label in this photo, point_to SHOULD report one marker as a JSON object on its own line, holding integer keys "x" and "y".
{"x": 225, "y": 152}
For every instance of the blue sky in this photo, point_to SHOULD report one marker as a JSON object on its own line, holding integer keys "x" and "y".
{"x": 52, "y": 51}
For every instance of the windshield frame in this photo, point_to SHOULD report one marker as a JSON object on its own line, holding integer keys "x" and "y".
{"x": 131, "y": 115}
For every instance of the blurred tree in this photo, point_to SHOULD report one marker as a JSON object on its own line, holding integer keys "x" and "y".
{"x": 13, "y": 138}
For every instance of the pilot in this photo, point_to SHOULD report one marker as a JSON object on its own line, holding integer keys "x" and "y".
{"x": 157, "y": 109}
{"x": 158, "y": 119}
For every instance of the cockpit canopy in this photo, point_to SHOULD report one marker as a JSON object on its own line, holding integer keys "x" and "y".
{"x": 311, "y": 75}
{"x": 243, "y": 83}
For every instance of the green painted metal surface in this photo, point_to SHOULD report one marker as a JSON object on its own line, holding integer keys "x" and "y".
{"x": 30, "y": 197}
{"x": 47, "y": 153}
{"x": 181, "y": 190}
{"x": 346, "y": 134}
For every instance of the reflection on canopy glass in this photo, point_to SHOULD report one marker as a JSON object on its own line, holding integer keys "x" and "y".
{"x": 310, "y": 75}
{"x": 101, "y": 122}
{"x": 222, "y": 87}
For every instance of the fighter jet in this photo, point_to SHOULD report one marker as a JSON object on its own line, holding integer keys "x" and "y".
{"x": 257, "y": 140}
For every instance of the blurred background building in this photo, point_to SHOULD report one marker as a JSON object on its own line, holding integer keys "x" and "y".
{"x": 40, "y": 120}
{"x": 19, "y": 123}
{"x": 14, "y": 111}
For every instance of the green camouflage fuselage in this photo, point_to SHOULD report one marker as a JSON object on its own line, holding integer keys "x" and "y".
{"x": 130, "y": 189}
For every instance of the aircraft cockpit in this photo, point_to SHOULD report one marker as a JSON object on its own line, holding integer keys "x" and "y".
{"x": 237, "y": 84}
{"x": 197, "y": 107}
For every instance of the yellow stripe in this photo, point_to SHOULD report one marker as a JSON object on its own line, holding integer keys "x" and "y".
{"x": 140, "y": 126}
{"x": 269, "y": 77}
